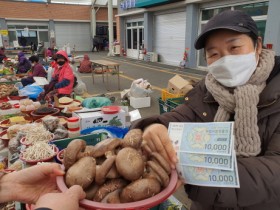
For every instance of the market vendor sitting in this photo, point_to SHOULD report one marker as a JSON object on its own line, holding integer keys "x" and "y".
{"x": 37, "y": 70}
{"x": 2, "y": 54}
{"x": 62, "y": 81}
{"x": 23, "y": 65}
{"x": 85, "y": 65}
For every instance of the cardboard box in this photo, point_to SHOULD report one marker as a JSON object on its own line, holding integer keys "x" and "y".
{"x": 142, "y": 102}
{"x": 178, "y": 85}
{"x": 95, "y": 117}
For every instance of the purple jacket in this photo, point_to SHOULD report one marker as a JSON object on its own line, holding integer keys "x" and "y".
{"x": 38, "y": 71}
{"x": 23, "y": 64}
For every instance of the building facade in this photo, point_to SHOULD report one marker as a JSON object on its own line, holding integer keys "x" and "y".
{"x": 170, "y": 29}
{"x": 54, "y": 24}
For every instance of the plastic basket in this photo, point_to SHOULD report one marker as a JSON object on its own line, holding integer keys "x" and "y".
{"x": 166, "y": 95}
{"x": 169, "y": 104}
{"x": 163, "y": 107}
{"x": 172, "y": 103}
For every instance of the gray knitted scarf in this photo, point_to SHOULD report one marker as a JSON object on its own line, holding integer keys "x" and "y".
{"x": 243, "y": 101}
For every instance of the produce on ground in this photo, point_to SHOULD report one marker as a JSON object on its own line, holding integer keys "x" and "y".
{"x": 5, "y": 105}
{"x": 6, "y": 90}
{"x": 38, "y": 151}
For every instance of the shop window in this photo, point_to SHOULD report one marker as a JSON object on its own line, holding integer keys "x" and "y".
{"x": 44, "y": 36}
{"x": 43, "y": 27}
{"x": 129, "y": 39}
{"x": 32, "y": 34}
{"x": 256, "y": 9}
{"x": 209, "y": 13}
{"x": 261, "y": 27}
{"x": 141, "y": 37}
{"x": 20, "y": 27}
{"x": 135, "y": 38}
{"x": 18, "y": 33}
{"x": 102, "y": 30}
{"x": 24, "y": 33}
{"x": 11, "y": 27}
{"x": 32, "y": 27}
{"x": 140, "y": 23}
{"x": 12, "y": 36}
{"x": 128, "y": 24}
{"x": 134, "y": 24}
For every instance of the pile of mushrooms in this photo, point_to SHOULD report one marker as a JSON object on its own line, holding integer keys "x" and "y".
{"x": 116, "y": 170}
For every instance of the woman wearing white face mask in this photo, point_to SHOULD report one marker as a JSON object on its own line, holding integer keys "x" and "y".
{"x": 241, "y": 86}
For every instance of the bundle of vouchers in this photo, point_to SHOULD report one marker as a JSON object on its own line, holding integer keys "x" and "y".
{"x": 206, "y": 153}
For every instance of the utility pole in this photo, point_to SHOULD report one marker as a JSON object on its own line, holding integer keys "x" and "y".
{"x": 93, "y": 19}
{"x": 111, "y": 27}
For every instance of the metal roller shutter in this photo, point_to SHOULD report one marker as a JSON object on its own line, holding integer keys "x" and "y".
{"x": 77, "y": 34}
{"x": 169, "y": 37}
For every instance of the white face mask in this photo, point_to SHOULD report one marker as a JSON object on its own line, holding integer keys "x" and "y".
{"x": 33, "y": 64}
{"x": 234, "y": 70}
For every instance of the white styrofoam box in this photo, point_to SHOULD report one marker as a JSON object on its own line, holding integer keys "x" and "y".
{"x": 142, "y": 102}
{"x": 95, "y": 117}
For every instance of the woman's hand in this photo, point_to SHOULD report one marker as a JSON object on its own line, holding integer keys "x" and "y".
{"x": 29, "y": 184}
{"x": 68, "y": 200}
{"x": 156, "y": 136}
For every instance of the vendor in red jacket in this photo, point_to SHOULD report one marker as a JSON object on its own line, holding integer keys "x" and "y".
{"x": 63, "y": 75}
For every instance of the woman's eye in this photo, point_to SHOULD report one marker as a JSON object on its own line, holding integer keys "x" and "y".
{"x": 212, "y": 55}
{"x": 235, "y": 47}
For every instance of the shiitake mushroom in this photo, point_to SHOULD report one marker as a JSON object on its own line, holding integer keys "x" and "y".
{"x": 81, "y": 173}
{"x": 140, "y": 190}
{"x": 130, "y": 164}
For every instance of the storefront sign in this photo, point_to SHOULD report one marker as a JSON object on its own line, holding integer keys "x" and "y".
{"x": 127, "y": 4}
{"x": 4, "y": 32}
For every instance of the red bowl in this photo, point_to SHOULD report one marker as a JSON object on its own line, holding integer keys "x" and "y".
{"x": 34, "y": 162}
{"x": 39, "y": 116}
{"x": 17, "y": 97}
{"x": 110, "y": 109}
{"x": 144, "y": 204}
{"x": 60, "y": 155}
{"x": 4, "y": 99}
{"x": 23, "y": 140}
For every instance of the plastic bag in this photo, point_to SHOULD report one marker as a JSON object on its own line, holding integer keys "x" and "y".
{"x": 50, "y": 122}
{"x": 105, "y": 132}
{"x": 32, "y": 91}
{"x": 18, "y": 85}
{"x": 96, "y": 102}
{"x": 140, "y": 88}
{"x": 50, "y": 71}
{"x": 80, "y": 88}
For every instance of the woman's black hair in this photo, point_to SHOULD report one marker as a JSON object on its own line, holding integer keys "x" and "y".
{"x": 34, "y": 58}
